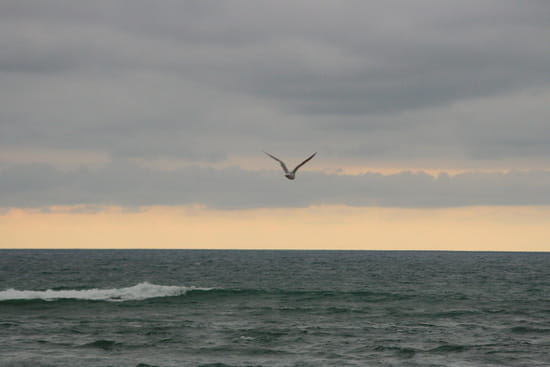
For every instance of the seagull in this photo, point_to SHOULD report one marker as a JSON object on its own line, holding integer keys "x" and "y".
{"x": 290, "y": 174}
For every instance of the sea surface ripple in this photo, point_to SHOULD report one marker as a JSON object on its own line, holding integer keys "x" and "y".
{"x": 98, "y": 308}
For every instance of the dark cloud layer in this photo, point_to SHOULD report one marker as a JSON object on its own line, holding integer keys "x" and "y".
{"x": 126, "y": 184}
{"x": 377, "y": 81}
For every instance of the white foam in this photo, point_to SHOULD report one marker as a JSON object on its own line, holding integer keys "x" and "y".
{"x": 138, "y": 292}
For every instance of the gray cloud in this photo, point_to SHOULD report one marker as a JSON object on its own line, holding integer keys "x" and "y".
{"x": 391, "y": 81}
{"x": 126, "y": 184}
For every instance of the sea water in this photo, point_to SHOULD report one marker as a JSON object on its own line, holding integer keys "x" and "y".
{"x": 273, "y": 308}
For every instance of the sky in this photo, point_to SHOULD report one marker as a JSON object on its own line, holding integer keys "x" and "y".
{"x": 141, "y": 124}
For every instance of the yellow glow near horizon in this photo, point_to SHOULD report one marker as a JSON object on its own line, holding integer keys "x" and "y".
{"x": 319, "y": 227}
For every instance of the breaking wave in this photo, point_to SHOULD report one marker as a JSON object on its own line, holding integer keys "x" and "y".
{"x": 138, "y": 292}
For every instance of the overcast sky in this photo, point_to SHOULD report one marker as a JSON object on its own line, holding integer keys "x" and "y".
{"x": 94, "y": 94}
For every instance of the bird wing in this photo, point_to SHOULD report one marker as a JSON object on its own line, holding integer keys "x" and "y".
{"x": 278, "y": 160}
{"x": 304, "y": 162}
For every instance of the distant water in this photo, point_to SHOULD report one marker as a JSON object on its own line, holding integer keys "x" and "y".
{"x": 273, "y": 308}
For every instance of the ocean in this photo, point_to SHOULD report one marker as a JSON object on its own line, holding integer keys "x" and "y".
{"x": 143, "y": 308}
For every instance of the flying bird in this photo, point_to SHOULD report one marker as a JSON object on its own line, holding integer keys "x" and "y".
{"x": 290, "y": 174}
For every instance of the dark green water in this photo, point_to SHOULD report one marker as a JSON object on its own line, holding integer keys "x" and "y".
{"x": 273, "y": 308}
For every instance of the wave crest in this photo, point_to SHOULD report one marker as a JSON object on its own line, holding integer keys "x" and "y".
{"x": 137, "y": 292}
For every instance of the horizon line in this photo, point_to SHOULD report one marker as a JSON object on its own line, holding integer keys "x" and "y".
{"x": 263, "y": 249}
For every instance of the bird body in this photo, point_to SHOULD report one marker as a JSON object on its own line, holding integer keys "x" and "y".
{"x": 290, "y": 174}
